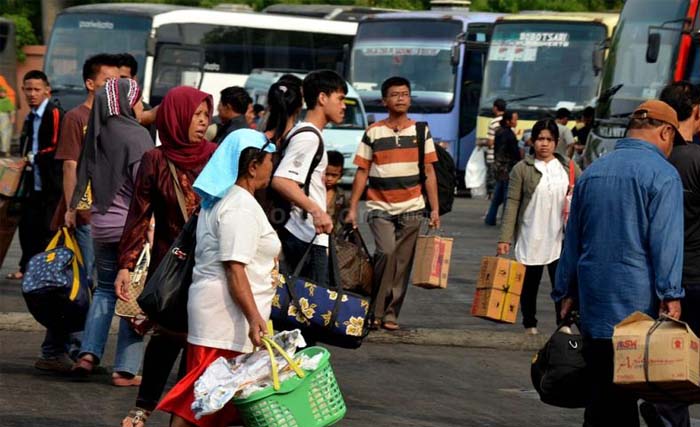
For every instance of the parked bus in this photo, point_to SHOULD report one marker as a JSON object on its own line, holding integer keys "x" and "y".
{"x": 326, "y": 11}
{"x": 656, "y": 43}
{"x": 175, "y": 45}
{"x": 442, "y": 53}
{"x": 540, "y": 62}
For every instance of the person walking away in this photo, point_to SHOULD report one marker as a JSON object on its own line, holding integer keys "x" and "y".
{"x": 499, "y": 107}
{"x": 580, "y": 133}
{"x": 96, "y": 70}
{"x": 684, "y": 98}
{"x": 235, "y": 112}
{"x": 533, "y": 217}
{"x": 324, "y": 93}
{"x": 183, "y": 118}
{"x": 231, "y": 294}
{"x": 566, "y": 137}
{"x": 109, "y": 160}
{"x": 623, "y": 254}
{"x": 284, "y": 105}
{"x": 337, "y": 202}
{"x": 507, "y": 154}
{"x": 388, "y": 157}
{"x": 8, "y": 115}
{"x": 42, "y": 179}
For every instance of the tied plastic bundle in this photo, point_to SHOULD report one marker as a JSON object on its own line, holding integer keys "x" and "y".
{"x": 240, "y": 377}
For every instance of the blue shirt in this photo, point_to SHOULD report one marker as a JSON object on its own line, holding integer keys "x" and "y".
{"x": 38, "y": 114}
{"x": 623, "y": 248}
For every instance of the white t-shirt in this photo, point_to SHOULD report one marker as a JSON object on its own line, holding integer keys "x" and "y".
{"x": 234, "y": 229}
{"x": 294, "y": 165}
{"x": 542, "y": 229}
{"x": 566, "y": 139}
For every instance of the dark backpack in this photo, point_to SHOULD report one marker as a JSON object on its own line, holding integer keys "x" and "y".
{"x": 277, "y": 208}
{"x": 445, "y": 172}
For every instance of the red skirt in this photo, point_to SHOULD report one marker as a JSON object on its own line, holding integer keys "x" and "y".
{"x": 179, "y": 400}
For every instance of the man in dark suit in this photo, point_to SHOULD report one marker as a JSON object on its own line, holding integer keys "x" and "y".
{"x": 43, "y": 177}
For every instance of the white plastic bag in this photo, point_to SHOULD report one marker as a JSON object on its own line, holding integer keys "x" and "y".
{"x": 475, "y": 175}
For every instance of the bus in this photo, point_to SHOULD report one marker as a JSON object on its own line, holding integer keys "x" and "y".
{"x": 539, "y": 62}
{"x": 656, "y": 43}
{"x": 177, "y": 45}
{"x": 442, "y": 54}
{"x": 327, "y": 11}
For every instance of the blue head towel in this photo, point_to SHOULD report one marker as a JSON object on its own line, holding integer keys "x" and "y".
{"x": 220, "y": 173}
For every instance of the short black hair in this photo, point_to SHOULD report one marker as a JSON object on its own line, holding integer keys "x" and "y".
{"x": 322, "y": 81}
{"x": 563, "y": 113}
{"x": 588, "y": 113}
{"x": 237, "y": 98}
{"x": 92, "y": 65}
{"x": 546, "y": 124}
{"x": 258, "y": 108}
{"x": 248, "y": 156}
{"x": 499, "y": 104}
{"x": 506, "y": 117}
{"x": 681, "y": 96}
{"x": 335, "y": 158}
{"x": 128, "y": 60}
{"x": 394, "y": 81}
{"x": 36, "y": 75}
{"x": 290, "y": 79}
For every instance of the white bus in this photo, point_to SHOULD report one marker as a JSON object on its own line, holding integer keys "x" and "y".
{"x": 176, "y": 45}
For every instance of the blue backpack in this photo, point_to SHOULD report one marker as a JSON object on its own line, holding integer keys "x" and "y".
{"x": 55, "y": 285}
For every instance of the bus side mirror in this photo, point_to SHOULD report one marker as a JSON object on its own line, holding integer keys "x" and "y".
{"x": 598, "y": 59}
{"x": 454, "y": 55}
{"x": 653, "y": 45}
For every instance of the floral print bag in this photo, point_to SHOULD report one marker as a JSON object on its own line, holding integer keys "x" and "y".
{"x": 328, "y": 314}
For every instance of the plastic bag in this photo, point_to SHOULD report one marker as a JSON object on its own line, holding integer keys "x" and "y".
{"x": 475, "y": 175}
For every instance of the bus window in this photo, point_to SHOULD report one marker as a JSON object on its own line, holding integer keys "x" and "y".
{"x": 471, "y": 90}
{"x": 175, "y": 66}
{"x": 693, "y": 70}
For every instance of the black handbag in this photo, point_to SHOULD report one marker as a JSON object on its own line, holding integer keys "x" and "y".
{"x": 328, "y": 314}
{"x": 164, "y": 297}
{"x": 559, "y": 371}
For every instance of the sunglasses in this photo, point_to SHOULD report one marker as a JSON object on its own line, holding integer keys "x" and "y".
{"x": 265, "y": 145}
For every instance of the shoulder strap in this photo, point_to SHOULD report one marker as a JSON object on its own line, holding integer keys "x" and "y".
{"x": 178, "y": 191}
{"x": 317, "y": 157}
{"x": 420, "y": 137}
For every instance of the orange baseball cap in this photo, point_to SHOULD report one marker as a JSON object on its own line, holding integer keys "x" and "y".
{"x": 659, "y": 110}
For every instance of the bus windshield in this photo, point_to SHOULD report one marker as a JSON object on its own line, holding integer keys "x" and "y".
{"x": 627, "y": 64}
{"x": 540, "y": 65}
{"x": 419, "y": 50}
{"x": 76, "y": 37}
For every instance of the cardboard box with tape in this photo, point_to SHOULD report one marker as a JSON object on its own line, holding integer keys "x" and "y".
{"x": 659, "y": 360}
{"x": 498, "y": 289}
{"x": 432, "y": 261}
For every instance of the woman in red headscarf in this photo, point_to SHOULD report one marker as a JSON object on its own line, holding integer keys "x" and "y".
{"x": 182, "y": 120}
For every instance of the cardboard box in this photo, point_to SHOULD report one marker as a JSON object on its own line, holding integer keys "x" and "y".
{"x": 658, "y": 360}
{"x": 432, "y": 261}
{"x": 10, "y": 174}
{"x": 498, "y": 289}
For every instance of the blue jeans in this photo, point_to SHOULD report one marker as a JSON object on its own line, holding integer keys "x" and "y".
{"x": 82, "y": 235}
{"x": 316, "y": 268}
{"x": 99, "y": 317}
{"x": 500, "y": 196}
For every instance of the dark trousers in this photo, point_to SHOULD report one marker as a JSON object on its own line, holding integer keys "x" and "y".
{"x": 498, "y": 198}
{"x": 610, "y": 405}
{"x": 160, "y": 356}
{"x": 531, "y": 286}
{"x": 677, "y": 414}
{"x": 35, "y": 225}
{"x": 316, "y": 265}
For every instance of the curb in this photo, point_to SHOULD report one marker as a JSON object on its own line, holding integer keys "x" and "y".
{"x": 466, "y": 338}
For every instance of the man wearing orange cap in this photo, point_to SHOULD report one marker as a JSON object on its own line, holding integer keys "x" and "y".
{"x": 623, "y": 249}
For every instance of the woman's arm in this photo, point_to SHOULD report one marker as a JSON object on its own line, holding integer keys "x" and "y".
{"x": 239, "y": 288}
{"x": 510, "y": 217}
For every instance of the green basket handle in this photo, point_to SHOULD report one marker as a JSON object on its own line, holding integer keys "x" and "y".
{"x": 270, "y": 345}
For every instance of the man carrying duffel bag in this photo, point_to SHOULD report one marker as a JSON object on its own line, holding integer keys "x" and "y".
{"x": 56, "y": 290}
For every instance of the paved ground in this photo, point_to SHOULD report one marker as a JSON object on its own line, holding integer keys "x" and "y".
{"x": 484, "y": 381}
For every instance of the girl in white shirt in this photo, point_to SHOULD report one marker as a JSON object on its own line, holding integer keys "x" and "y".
{"x": 534, "y": 214}
{"x": 232, "y": 288}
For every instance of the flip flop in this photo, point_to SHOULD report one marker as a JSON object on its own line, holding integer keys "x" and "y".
{"x": 137, "y": 417}
{"x": 121, "y": 381}
{"x": 391, "y": 326}
{"x": 17, "y": 275}
{"x": 83, "y": 367}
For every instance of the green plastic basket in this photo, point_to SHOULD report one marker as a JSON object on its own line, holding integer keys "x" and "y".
{"x": 312, "y": 401}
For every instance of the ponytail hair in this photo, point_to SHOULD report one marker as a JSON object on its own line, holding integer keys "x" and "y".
{"x": 284, "y": 101}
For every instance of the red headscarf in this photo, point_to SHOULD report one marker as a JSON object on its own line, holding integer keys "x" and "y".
{"x": 173, "y": 122}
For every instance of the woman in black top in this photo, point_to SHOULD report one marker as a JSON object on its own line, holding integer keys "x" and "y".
{"x": 507, "y": 154}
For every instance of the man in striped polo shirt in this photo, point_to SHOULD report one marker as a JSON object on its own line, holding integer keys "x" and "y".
{"x": 388, "y": 156}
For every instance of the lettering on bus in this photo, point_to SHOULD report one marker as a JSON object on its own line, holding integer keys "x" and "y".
{"x": 100, "y": 25}
{"x": 399, "y": 51}
{"x": 545, "y": 39}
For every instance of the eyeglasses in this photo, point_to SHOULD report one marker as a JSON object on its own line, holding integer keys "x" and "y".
{"x": 265, "y": 145}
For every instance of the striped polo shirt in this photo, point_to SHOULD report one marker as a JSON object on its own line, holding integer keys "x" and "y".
{"x": 392, "y": 160}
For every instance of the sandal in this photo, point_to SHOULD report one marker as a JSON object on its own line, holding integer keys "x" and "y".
{"x": 17, "y": 275}
{"x": 391, "y": 326}
{"x": 375, "y": 325}
{"x": 84, "y": 366}
{"x": 119, "y": 380}
{"x": 137, "y": 417}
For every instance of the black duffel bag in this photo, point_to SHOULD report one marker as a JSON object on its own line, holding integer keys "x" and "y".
{"x": 559, "y": 371}
{"x": 164, "y": 297}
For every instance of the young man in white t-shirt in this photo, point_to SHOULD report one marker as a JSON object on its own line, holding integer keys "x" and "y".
{"x": 324, "y": 94}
